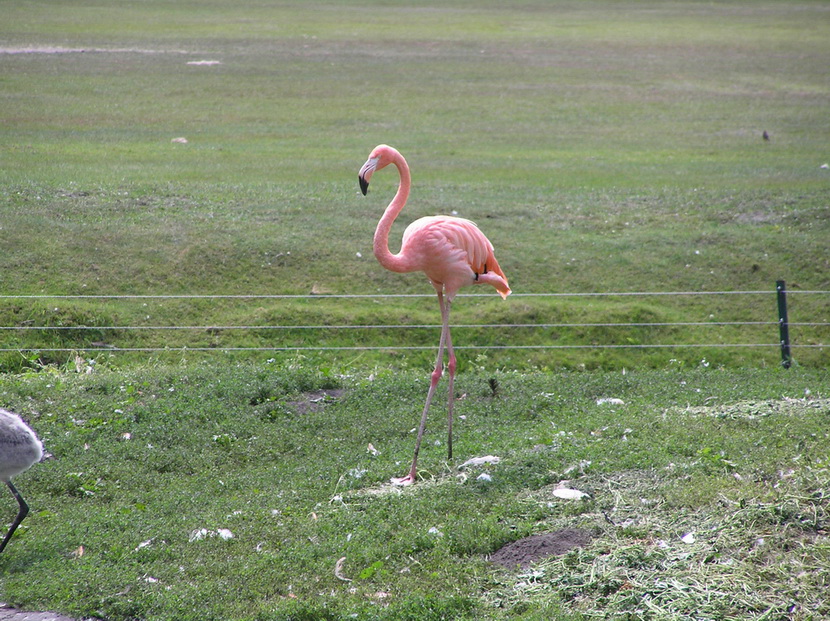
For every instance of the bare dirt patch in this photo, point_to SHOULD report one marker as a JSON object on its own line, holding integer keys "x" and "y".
{"x": 536, "y": 547}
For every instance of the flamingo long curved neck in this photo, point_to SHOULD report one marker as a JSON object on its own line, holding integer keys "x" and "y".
{"x": 393, "y": 262}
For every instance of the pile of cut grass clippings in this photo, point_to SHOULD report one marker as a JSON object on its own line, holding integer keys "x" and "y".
{"x": 761, "y": 551}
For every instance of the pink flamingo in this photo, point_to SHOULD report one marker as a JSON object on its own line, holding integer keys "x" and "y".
{"x": 452, "y": 252}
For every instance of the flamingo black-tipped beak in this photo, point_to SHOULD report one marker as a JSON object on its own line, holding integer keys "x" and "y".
{"x": 366, "y": 173}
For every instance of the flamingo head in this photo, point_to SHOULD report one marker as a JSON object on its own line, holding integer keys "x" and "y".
{"x": 381, "y": 156}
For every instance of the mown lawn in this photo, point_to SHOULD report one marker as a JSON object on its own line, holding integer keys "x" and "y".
{"x": 234, "y": 491}
{"x": 602, "y": 146}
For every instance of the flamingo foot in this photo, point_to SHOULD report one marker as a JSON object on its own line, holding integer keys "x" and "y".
{"x": 403, "y": 481}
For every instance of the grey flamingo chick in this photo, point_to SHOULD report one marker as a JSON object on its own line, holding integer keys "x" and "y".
{"x": 19, "y": 449}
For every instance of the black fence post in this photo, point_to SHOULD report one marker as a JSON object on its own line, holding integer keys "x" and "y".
{"x": 783, "y": 324}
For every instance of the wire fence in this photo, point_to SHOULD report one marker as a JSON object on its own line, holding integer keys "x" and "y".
{"x": 767, "y": 331}
{"x": 332, "y": 296}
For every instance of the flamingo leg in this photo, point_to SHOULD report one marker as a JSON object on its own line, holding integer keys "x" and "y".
{"x": 451, "y": 372}
{"x": 24, "y": 511}
{"x": 409, "y": 479}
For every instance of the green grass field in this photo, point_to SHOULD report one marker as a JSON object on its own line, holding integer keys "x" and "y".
{"x": 602, "y": 146}
{"x": 144, "y": 460}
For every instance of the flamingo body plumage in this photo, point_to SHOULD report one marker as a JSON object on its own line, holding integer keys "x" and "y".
{"x": 452, "y": 252}
{"x": 19, "y": 449}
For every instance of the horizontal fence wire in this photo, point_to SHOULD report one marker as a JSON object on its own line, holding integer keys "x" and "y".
{"x": 406, "y": 326}
{"x": 324, "y": 296}
{"x": 399, "y": 348}
{"x": 403, "y": 326}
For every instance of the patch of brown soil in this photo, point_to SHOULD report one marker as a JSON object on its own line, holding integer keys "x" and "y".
{"x": 525, "y": 551}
